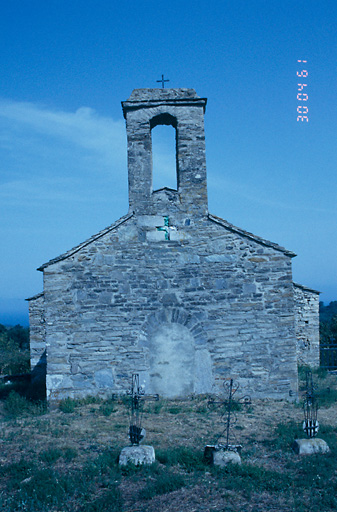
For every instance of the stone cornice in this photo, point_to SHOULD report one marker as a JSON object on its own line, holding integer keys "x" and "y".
{"x": 149, "y": 98}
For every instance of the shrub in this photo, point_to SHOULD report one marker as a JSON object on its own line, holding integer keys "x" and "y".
{"x": 89, "y": 400}
{"x": 107, "y": 408}
{"x": 155, "y": 407}
{"x": 105, "y": 463}
{"x": 69, "y": 453}
{"x": 15, "y": 404}
{"x": 14, "y": 352}
{"x": 51, "y": 455}
{"x": 175, "y": 409}
{"x": 68, "y": 405}
{"x": 202, "y": 409}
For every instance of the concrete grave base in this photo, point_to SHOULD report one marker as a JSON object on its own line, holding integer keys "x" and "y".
{"x": 220, "y": 456}
{"x": 310, "y": 446}
{"x": 137, "y": 455}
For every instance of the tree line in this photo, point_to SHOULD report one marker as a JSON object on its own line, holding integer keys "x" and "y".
{"x": 328, "y": 323}
{"x": 14, "y": 350}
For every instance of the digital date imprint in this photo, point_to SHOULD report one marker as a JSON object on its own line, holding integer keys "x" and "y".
{"x": 302, "y": 96}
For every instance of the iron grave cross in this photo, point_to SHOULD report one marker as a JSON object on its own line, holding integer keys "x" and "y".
{"x": 137, "y": 393}
{"x": 163, "y": 81}
{"x": 229, "y": 404}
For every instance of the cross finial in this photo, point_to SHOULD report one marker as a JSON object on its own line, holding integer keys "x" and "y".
{"x": 163, "y": 81}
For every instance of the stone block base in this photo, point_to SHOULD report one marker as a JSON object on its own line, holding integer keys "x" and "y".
{"x": 310, "y": 446}
{"x": 219, "y": 456}
{"x": 137, "y": 455}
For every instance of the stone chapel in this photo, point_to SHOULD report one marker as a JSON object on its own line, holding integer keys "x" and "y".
{"x": 169, "y": 291}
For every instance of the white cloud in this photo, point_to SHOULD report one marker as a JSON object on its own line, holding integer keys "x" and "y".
{"x": 63, "y": 177}
{"x": 56, "y": 155}
{"x": 84, "y": 128}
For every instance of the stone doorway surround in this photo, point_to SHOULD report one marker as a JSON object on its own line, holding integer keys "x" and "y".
{"x": 176, "y": 353}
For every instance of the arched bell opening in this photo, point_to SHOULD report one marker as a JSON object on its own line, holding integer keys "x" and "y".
{"x": 164, "y": 152}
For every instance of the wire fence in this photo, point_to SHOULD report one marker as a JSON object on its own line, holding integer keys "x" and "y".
{"x": 328, "y": 357}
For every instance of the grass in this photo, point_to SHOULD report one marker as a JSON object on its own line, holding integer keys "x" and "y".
{"x": 51, "y": 455}
{"x": 106, "y": 407}
{"x": 67, "y": 459}
{"x": 251, "y": 478}
{"x": 316, "y": 478}
{"x": 68, "y": 405}
{"x": 324, "y": 385}
{"x": 285, "y": 434}
{"x": 187, "y": 458}
{"x": 165, "y": 482}
{"x": 17, "y": 405}
{"x": 327, "y": 397}
{"x": 110, "y": 501}
{"x": 34, "y": 487}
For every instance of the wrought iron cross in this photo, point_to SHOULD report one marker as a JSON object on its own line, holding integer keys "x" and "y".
{"x": 137, "y": 392}
{"x": 228, "y": 415}
{"x": 162, "y": 81}
{"x": 310, "y": 406}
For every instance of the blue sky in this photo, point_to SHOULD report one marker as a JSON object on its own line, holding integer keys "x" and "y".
{"x": 67, "y": 65}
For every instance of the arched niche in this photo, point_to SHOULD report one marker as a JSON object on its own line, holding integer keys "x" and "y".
{"x": 177, "y": 358}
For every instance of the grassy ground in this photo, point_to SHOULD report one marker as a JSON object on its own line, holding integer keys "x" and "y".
{"x": 65, "y": 459}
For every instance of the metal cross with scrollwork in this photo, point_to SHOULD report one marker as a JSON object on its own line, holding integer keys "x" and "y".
{"x": 310, "y": 407}
{"x": 229, "y": 416}
{"x": 162, "y": 81}
{"x": 137, "y": 393}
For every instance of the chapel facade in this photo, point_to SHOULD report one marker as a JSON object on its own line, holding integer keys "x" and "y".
{"x": 169, "y": 291}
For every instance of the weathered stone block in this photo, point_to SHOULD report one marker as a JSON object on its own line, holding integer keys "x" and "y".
{"x": 137, "y": 455}
{"x": 310, "y": 446}
{"x": 104, "y": 379}
{"x": 219, "y": 456}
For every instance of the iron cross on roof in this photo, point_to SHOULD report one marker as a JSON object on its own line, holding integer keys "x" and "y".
{"x": 163, "y": 81}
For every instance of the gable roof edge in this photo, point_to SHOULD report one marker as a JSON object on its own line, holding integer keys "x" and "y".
{"x": 35, "y": 297}
{"x": 306, "y": 288}
{"x": 90, "y": 240}
{"x": 246, "y": 234}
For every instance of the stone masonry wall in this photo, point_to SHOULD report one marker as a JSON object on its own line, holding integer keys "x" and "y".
{"x": 204, "y": 305}
{"x": 307, "y": 325}
{"x": 170, "y": 292}
{"x": 37, "y": 338}
{"x": 184, "y": 110}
